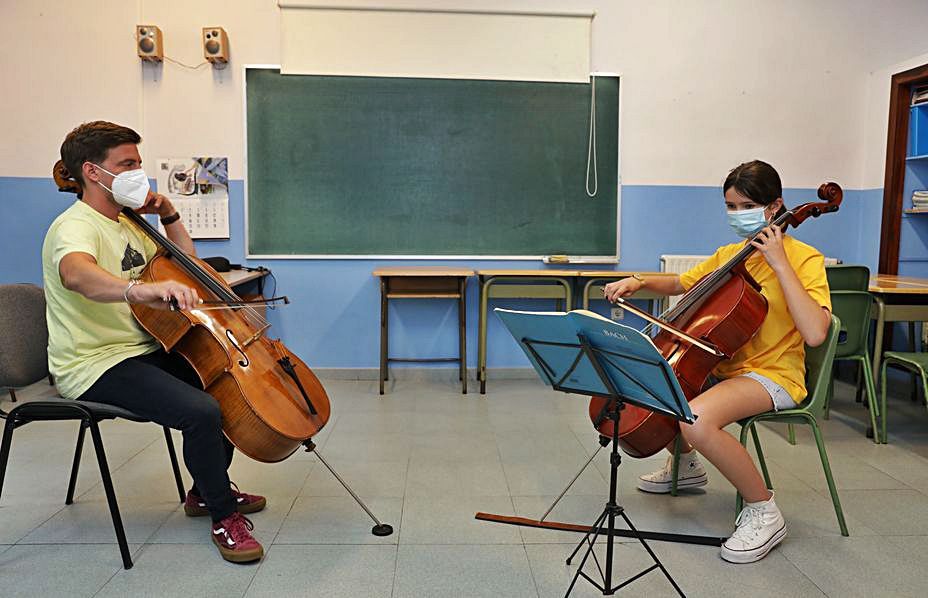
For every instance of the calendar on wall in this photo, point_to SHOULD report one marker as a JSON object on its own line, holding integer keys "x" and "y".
{"x": 199, "y": 189}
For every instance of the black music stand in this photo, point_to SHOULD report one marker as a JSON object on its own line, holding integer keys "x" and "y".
{"x": 583, "y": 353}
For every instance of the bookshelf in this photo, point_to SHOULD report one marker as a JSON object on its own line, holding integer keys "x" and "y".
{"x": 916, "y": 161}
{"x": 913, "y": 254}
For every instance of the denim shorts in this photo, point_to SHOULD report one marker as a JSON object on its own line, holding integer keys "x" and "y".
{"x": 781, "y": 398}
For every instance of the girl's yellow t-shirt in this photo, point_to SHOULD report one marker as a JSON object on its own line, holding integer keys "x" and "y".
{"x": 777, "y": 351}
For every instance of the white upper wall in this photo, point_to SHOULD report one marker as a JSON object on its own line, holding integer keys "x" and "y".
{"x": 705, "y": 85}
{"x": 61, "y": 64}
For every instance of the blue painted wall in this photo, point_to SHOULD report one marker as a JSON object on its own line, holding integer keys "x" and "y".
{"x": 333, "y": 320}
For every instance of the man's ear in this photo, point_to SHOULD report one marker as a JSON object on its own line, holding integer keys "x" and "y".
{"x": 86, "y": 169}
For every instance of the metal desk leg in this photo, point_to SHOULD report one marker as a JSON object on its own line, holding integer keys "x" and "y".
{"x": 586, "y": 293}
{"x": 483, "y": 316}
{"x": 462, "y": 334}
{"x": 877, "y": 356}
{"x": 482, "y": 334}
{"x": 913, "y": 377}
{"x": 878, "y": 334}
{"x": 383, "y": 333}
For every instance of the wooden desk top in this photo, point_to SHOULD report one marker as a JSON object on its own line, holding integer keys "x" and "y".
{"x": 535, "y": 273}
{"x": 237, "y": 277}
{"x": 423, "y": 271}
{"x": 892, "y": 283}
{"x": 570, "y": 273}
{"x": 618, "y": 274}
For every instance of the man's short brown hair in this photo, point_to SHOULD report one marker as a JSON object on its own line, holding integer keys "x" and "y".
{"x": 91, "y": 142}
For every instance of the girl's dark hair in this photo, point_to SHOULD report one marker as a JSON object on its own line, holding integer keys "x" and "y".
{"x": 91, "y": 142}
{"x": 756, "y": 180}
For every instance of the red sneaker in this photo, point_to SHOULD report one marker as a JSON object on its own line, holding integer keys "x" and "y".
{"x": 195, "y": 506}
{"x": 232, "y": 536}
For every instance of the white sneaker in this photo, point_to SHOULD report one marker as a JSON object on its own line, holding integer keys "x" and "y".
{"x": 760, "y": 527}
{"x": 692, "y": 474}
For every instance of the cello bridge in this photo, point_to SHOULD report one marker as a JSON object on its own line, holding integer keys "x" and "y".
{"x": 255, "y": 336}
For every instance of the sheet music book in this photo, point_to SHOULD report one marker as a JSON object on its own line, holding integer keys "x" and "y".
{"x": 635, "y": 367}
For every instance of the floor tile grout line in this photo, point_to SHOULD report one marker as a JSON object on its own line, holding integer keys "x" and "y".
{"x": 50, "y": 517}
{"x": 112, "y": 471}
{"x": 399, "y": 537}
{"x": 531, "y": 569}
{"x": 309, "y": 471}
{"x": 109, "y": 579}
{"x": 803, "y": 573}
{"x": 512, "y": 502}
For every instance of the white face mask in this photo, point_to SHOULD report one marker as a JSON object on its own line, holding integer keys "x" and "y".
{"x": 130, "y": 188}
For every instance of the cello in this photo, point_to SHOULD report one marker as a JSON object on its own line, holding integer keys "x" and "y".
{"x": 721, "y": 312}
{"x": 271, "y": 402}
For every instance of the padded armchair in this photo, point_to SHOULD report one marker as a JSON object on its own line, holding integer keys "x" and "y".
{"x": 24, "y": 361}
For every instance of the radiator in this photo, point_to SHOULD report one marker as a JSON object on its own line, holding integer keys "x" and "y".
{"x": 678, "y": 264}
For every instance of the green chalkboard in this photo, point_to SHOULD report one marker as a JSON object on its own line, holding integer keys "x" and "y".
{"x": 401, "y": 166}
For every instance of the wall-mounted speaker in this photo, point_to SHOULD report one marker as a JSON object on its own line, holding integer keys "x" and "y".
{"x": 149, "y": 42}
{"x": 215, "y": 45}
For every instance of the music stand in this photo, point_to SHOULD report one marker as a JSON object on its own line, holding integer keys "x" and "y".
{"x": 583, "y": 353}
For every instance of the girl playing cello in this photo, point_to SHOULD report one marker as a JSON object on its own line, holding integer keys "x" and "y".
{"x": 767, "y": 372}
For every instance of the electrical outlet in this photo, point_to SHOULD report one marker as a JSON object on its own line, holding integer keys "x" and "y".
{"x": 617, "y": 314}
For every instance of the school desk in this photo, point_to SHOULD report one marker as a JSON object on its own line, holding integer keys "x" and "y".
{"x": 896, "y": 299}
{"x": 423, "y": 282}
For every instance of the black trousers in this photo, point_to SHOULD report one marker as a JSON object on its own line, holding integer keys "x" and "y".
{"x": 163, "y": 388}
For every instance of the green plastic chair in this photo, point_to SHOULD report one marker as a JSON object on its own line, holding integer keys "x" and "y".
{"x": 848, "y": 277}
{"x": 853, "y": 309}
{"x": 819, "y": 361}
{"x": 914, "y": 362}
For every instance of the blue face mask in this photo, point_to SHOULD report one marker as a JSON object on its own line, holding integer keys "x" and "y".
{"x": 747, "y": 222}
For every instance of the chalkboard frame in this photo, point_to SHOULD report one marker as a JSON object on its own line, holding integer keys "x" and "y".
{"x": 588, "y": 259}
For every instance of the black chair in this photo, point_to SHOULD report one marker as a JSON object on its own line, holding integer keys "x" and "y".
{"x": 23, "y": 361}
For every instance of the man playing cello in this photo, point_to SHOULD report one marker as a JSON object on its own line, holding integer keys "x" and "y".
{"x": 91, "y": 260}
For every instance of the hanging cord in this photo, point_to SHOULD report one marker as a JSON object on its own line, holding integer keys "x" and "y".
{"x": 270, "y": 274}
{"x": 591, "y": 149}
{"x": 186, "y": 66}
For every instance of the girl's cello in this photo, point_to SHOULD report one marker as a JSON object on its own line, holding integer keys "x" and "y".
{"x": 724, "y": 309}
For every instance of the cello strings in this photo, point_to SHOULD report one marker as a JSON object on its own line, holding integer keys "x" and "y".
{"x": 709, "y": 282}
{"x": 196, "y": 270}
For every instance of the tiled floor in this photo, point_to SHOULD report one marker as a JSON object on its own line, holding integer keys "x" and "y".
{"x": 426, "y": 459}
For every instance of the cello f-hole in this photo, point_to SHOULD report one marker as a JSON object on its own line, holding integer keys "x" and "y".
{"x": 244, "y": 361}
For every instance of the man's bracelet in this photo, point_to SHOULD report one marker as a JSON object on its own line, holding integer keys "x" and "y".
{"x": 131, "y": 284}
{"x": 171, "y": 219}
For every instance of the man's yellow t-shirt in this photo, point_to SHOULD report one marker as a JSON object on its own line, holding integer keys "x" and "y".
{"x": 86, "y": 338}
{"x": 777, "y": 351}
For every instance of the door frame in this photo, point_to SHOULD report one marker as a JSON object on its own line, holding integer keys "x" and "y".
{"x": 896, "y": 147}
